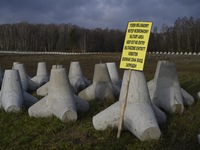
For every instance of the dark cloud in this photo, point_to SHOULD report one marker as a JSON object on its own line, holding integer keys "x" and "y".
{"x": 97, "y": 13}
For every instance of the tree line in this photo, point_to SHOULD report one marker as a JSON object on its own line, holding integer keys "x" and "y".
{"x": 64, "y": 37}
{"x": 183, "y": 36}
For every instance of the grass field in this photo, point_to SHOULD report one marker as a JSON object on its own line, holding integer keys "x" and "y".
{"x": 19, "y": 131}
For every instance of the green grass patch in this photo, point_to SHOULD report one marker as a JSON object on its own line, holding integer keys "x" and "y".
{"x": 19, "y": 131}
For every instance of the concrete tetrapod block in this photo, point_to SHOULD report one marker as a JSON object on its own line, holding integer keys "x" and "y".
{"x": 60, "y": 100}
{"x": 32, "y": 86}
{"x": 43, "y": 90}
{"x": 11, "y": 93}
{"x": 42, "y": 75}
{"x": 139, "y": 116}
{"x": 76, "y": 78}
{"x": 101, "y": 88}
{"x": 27, "y": 83}
{"x": 29, "y": 100}
{"x": 165, "y": 90}
{"x": 114, "y": 76}
{"x": 23, "y": 75}
{"x": 112, "y": 69}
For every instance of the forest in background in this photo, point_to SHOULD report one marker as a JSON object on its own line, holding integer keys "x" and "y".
{"x": 183, "y": 36}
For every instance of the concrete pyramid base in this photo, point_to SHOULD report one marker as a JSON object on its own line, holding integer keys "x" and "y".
{"x": 139, "y": 116}
{"x": 165, "y": 90}
{"x": 101, "y": 88}
{"x": 60, "y": 101}
{"x": 76, "y": 78}
{"x": 42, "y": 75}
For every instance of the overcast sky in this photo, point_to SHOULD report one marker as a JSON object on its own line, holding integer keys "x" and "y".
{"x": 90, "y": 14}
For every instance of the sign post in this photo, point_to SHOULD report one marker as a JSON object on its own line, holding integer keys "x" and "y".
{"x": 134, "y": 53}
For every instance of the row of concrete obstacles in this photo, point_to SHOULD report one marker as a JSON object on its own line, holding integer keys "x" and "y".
{"x": 142, "y": 114}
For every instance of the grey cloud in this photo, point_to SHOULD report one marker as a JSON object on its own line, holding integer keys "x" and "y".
{"x": 97, "y": 13}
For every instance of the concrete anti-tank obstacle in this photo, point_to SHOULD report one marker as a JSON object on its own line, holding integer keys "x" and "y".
{"x": 43, "y": 90}
{"x": 42, "y": 75}
{"x": 76, "y": 78}
{"x": 114, "y": 76}
{"x": 12, "y": 96}
{"x": 139, "y": 117}
{"x": 23, "y": 75}
{"x": 112, "y": 69}
{"x": 165, "y": 90}
{"x": 11, "y": 93}
{"x": 60, "y": 100}
{"x": 101, "y": 88}
{"x": 81, "y": 105}
{"x": 27, "y": 83}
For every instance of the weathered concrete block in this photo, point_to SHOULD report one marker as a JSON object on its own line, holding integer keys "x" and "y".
{"x": 42, "y": 75}
{"x": 165, "y": 90}
{"x": 23, "y": 74}
{"x": 102, "y": 86}
{"x": 12, "y": 96}
{"x": 27, "y": 83}
{"x": 114, "y": 76}
{"x": 76, "y": 78}
{"x": 139, "y": 116}
{"x": 43, "y": 90}
{"x": 29, "y": 100}
{"x": 32, "y": 86}
{"x": 60, "y": 100}
{"x": 11, "y": 93}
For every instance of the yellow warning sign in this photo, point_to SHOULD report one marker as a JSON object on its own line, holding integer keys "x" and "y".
{"x": 135, "y": 45}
